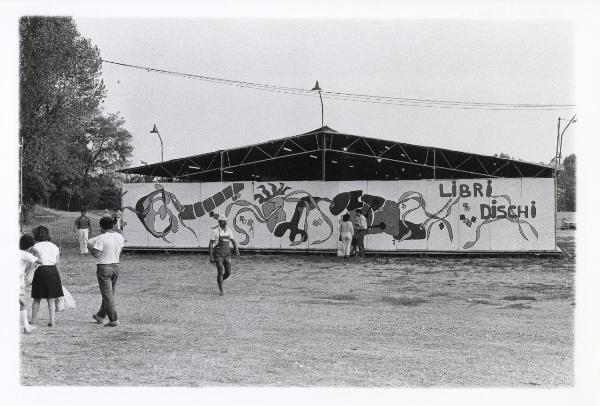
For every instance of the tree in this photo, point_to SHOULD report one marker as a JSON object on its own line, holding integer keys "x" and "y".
{"x": 503, "y": 155}
{"x": 70, "y": 146}
{"x": 60, "y": 92}
{"x": 566, "y": 185}
{"x": 108, "y": 145}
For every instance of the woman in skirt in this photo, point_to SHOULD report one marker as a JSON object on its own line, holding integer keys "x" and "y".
{"x": 46, "y": 280}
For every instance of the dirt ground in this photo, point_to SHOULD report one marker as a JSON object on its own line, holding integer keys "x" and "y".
{"x": 311, "y": 321}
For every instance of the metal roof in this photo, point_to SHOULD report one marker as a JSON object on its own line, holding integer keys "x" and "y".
{"x": 325, "y": 154}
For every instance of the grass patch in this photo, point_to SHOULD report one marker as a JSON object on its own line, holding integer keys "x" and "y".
{"x": 403, "y": 300}
{"x": 519, "y": 306}
{"x": 347, "y": 297}
{"x": 518, "y": 297}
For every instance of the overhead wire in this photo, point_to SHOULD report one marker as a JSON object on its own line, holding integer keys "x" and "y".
{"x": 353, "y": 97}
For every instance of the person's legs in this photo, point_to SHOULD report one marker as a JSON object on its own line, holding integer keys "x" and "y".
{"x": 227, "y": 268}
{"x": 26, "y": 327}
{"x": 82, "y": 241}
{"x": 353, "y": 246}
{"x": 360, "y": 242}
{"x": 219, "y": 263}
{"x": 35, "y": 306}
{"x": 51, "y": 311}
{"x": 112, "y": 311}
{"x": 106, "y": 279}
{"x": 347, "y": 244}
{"x": 85, "y": 240}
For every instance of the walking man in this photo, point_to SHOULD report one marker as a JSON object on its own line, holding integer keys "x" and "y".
{"x": 221, "y": 253}
{"x": 360, "y": 227}
{"x": 107, "y": 249}
{"x": 83, "y": 228}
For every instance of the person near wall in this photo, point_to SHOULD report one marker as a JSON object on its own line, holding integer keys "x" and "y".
{"x": 219, "y": 250}
{"x": 83, "y": 228}
{"x": 346, "y": 234}
{"x": 360, "y": 230}
{"x": 107, "y": 248}
{"x": 28, "y": 263}
{"x": 46, "y": 282}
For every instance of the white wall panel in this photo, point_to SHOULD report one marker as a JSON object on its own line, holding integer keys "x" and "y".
{"x": 441, "y": 215}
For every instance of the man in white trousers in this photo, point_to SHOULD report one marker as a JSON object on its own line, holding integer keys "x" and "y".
{"x": 83, "y": 227}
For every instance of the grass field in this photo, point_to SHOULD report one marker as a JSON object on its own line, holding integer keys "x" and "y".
{"x": 311, "y": 321}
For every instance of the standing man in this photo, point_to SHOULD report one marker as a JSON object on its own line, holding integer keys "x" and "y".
{"x": 221, "y": 253}
{"x": 360, "y": 227}
{"x": 83, "y": 228}
{"x": 107, "y": 249}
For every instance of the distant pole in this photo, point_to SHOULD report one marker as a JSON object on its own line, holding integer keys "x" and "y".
{"x": 321, "y": 98}
{"x": 557, "y": 142}
{"x": 155, "y": 131}
{"x": 20, "y": 183}
{"x": 562, "y": 133}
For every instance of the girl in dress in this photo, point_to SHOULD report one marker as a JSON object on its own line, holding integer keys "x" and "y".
{"x": 46, "y": 280}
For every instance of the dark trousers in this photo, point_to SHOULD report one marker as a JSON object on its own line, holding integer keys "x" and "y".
{"x": 107, "y": 280}
{"x": 358, "y": 243}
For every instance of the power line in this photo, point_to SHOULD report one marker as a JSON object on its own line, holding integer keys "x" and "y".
{"x": 353, "y": 97}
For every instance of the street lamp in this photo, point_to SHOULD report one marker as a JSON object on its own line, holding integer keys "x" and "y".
{"x": 317, "y": 88}
{"x": 155, "y": 131}
{"x": 559, "y": 137}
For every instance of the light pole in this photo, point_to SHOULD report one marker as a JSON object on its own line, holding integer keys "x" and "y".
{"x": 155, "y": 131}
{"x": 317, "y": 88}
{"x": 559, "y": 137}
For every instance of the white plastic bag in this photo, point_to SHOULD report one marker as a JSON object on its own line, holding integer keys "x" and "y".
{"x": 29, "y": 274}
{"x": 66, "y": 302}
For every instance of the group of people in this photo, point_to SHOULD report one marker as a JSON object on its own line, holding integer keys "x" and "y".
{"x": 83, "y": 227}
{"x": 41, "y": 257}
{"x": 353, "y": 229}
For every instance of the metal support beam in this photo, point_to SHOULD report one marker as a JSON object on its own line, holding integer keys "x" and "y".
{"x": 323, "y": 162}
{"x": 221, "y": 166}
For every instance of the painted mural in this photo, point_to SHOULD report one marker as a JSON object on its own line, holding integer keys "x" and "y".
{"x": 477, "y": 215}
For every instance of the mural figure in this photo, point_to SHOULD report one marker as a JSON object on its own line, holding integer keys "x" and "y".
{"x": 146, "y": 209}
{"x": 385, "y": 216}
{"x": 272, "y": 214}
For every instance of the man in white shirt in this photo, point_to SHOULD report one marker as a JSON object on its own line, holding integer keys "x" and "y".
{"x": 107, "y": 249}
{"x": 360, "y": 230}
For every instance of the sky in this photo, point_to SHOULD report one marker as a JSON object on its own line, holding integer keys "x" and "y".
{"x": 519, "y": 61}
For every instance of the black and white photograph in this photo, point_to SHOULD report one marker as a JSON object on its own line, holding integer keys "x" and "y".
{"x": 214, "y": 201}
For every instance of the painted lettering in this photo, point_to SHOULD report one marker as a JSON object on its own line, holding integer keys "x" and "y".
{"x": 464, "y": 191}
{"x": 442, "y": 193}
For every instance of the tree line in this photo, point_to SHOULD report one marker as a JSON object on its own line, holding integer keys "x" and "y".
{"x": 70, "y": 146}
